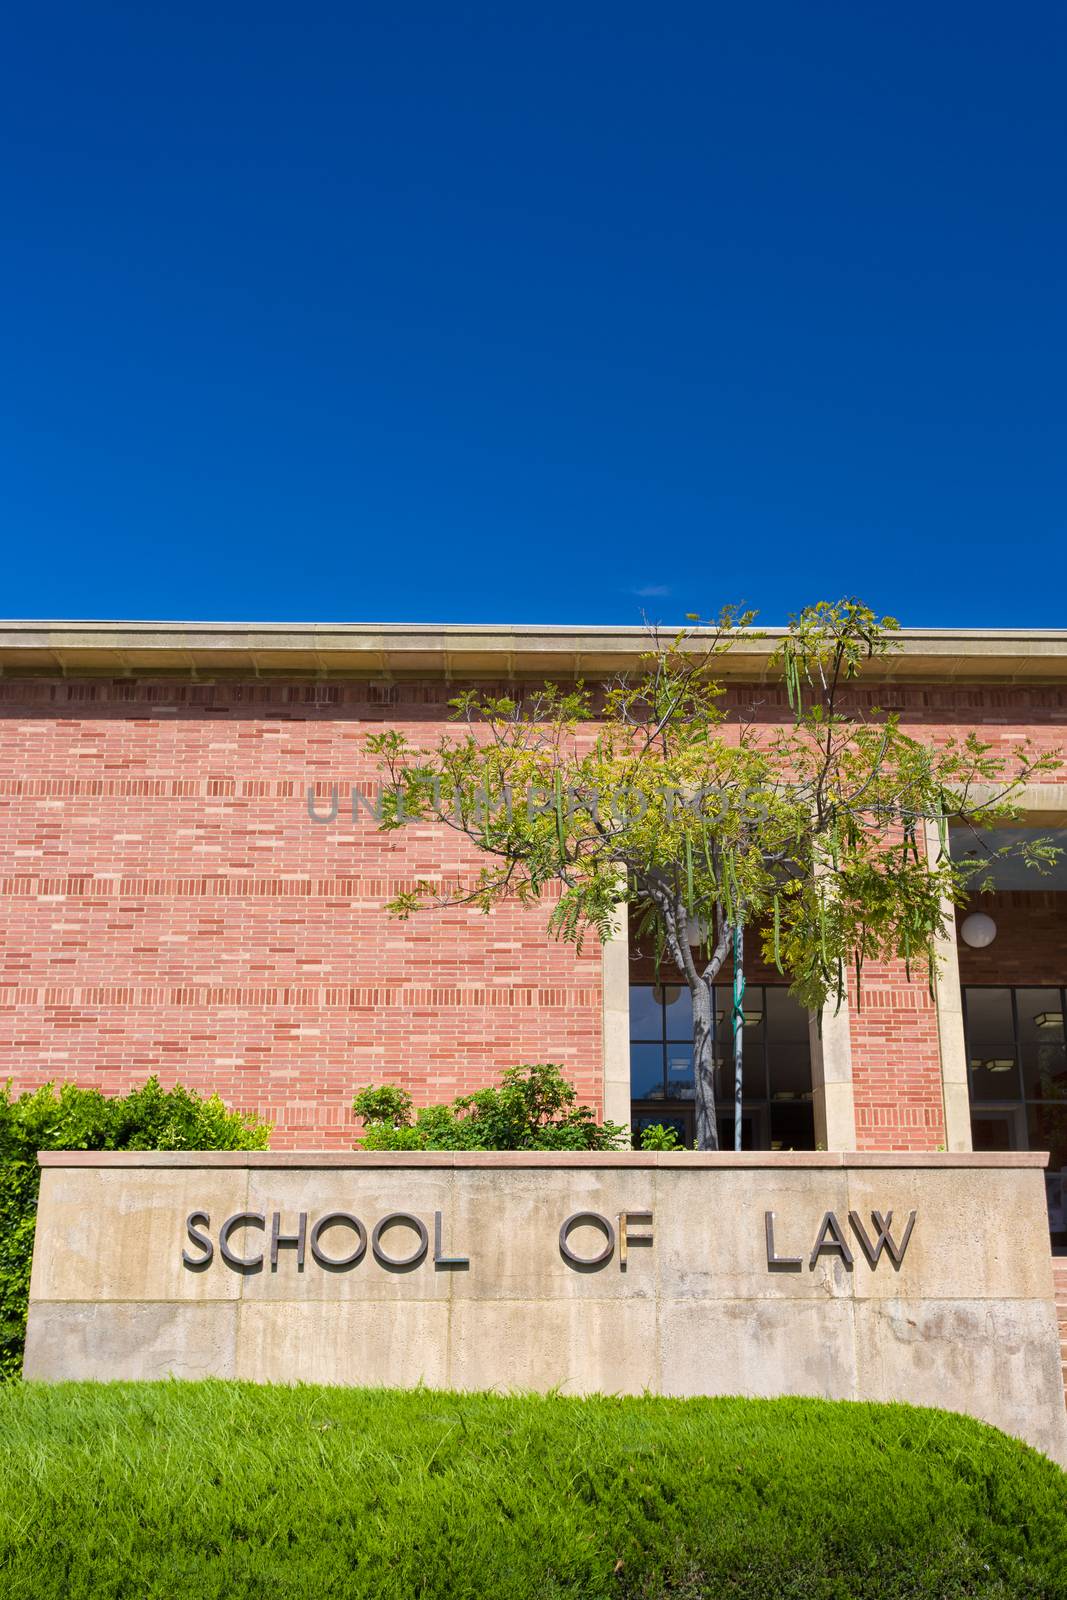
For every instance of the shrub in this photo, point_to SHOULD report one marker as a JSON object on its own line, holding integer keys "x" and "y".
{"x": 660, "y": 1137}
{"x": 149, "y": 1118}
{"x": 534, "y": 1108}
{"x": 228, "y": 1491}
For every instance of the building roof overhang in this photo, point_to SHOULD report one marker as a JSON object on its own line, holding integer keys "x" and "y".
{"x": 456, "y": 651}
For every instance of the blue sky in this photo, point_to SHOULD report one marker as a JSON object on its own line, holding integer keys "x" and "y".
{"x": 542, "y": 314}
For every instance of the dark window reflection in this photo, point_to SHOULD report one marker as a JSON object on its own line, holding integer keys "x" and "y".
{"x": 776, "y": 1086}
{"x": 679, "y": 1071}
{"x": 646, "y": 1014}
{"x": 678, "y": 1013}
{"x": 991, "y": 1051}
{"x": 1039, "y": 1016}
{"x": 646, "y": 1071}
{"x": 792, "y": 1126}
{"x": 1018, "y": 1074}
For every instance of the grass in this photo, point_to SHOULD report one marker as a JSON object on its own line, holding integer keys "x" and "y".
{"x": 188, "y": 1491}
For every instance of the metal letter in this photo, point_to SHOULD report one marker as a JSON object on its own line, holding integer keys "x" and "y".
{"x": 538, "y": 808}
{"x": 313, "y": 814}
{"x": 774, "y": 1260}
{"x": 440, "y": 1260}
{"x": 830, "y": 1238}
{"x": 583, "y": 800}
{"x": 625, "y": 1236}
{"x": 884, "y": 1239}
{"x": 619, "y": 804}
{"x": 192, "y": 1223}
{"x": 669, "y": 792}
{"x": 328, "y": 1221}
{"x": 375, "y": 808}
{"x": 598, "y": 1221}
{"x": 412, "y": 1222}
{"x": 298, "y": 1238}
{"x": 241, "y": 1219}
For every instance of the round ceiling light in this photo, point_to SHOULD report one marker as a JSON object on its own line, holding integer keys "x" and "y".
{"x": 978, "y": 930}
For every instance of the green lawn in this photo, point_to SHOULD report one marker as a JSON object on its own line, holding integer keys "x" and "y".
{"x": 195, "y": 1490}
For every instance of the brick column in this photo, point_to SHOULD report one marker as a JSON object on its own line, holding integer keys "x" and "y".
{"x": 896, "y": 1061}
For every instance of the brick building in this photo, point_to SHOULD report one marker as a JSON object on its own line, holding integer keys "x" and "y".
{"x": 169, "y": 906}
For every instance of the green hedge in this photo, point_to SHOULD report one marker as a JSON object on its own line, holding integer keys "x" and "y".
{"x": 149, "y": 1118}
{"x": 212, "y": 1490}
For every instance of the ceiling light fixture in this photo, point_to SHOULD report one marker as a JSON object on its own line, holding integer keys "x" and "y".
{"x": 978, "y": 930}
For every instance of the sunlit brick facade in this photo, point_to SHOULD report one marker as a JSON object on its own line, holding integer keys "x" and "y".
{"x": 169, "y": 906}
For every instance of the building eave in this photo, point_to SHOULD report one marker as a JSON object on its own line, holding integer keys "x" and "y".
{"x": 456, "y": 651}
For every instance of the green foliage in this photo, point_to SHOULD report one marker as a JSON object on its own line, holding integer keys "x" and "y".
{"x": 534, "y": 1108}
{"x": 226, "y": 1491}
{"x": 659, "y": 1137}
{"x": 813, "y": 830}
{"x": 149, "y": 1118}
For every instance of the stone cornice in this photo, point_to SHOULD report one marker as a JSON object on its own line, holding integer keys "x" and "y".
{"x": 209, "y": 651}
{"x": 718, "y": 1160}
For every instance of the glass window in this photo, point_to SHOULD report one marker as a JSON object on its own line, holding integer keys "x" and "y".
{"x": 998, "y": 1130}
{"x": 1015, "y": 1048}
{"x": 991, "y": 1052}
{"x": 753, "y": 1005}
{"x": 989, "y": 1019}
{"x": 792, "y": 1126}
{"x": 787, "y": 1019}
{"x": 754, "y": 1055}
{"x": 1046, "y": 1128}
{"x": 646, "y": 1071}
{"x": 776, "y": 1089}
{"x": 646, "y": 1014}
{"x": 1040, "y": 1023}
{"x": 749, "y": 1139}
{"x": 1045, "y": 1072}
{"x": 678, "y": 1012}
{"x": 680, "y": 1121}
{"x": 1039, "y": 1015}
{"x": 790, "y": 1049}
{"x": 679, "y": 1071}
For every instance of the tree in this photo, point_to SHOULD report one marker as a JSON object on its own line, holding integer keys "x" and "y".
{"x": 708, "y": 822}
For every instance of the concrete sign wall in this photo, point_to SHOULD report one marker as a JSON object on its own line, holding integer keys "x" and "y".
{"x": 910, "y": 1277}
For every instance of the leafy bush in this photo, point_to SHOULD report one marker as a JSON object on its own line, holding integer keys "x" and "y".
{"x": 229, "y": 1491}
{"x": 535, "y": 1108}
{"x": 660, "y": 1137}
{"x": 149, "y": 1118}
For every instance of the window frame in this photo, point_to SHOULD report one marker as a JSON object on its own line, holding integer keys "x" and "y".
{"x": 756, "y": 1109}
{"x": 1016, "y": 1106}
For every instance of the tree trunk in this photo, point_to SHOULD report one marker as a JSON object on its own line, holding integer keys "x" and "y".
{"x": 707, "y": 1123}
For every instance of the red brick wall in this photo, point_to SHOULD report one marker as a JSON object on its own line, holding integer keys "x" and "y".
{"x": 166, "y": 906}
{"x": 896, "y": 1062}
